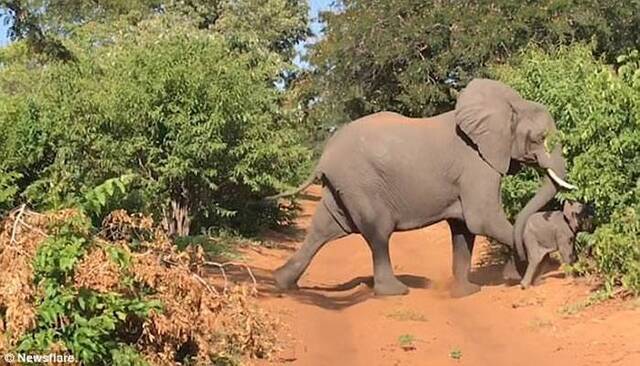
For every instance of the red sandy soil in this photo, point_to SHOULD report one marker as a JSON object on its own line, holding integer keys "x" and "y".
{"x": 334, "y": 318}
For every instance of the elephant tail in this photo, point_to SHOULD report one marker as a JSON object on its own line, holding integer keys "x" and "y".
{"x": 316, "y": 174}
{"x": 312, "y": 177}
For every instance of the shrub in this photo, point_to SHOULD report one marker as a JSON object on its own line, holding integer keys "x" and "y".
{"x": 123, "y": 296}
{"x": 197, "y": 119}
{"x": 597, "y": 112}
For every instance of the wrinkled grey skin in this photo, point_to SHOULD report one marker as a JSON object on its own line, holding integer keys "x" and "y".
{"x": 546, "y": 232}
{"x": 386, "y": 172}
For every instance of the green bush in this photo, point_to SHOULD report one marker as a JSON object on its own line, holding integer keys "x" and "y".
{"x": 86, "y": 322}
{"x": 597, "y": 112}
{"x": 198, "y": 120}
{"x": 616, "y": 249}
{"x": 106, "y": 295}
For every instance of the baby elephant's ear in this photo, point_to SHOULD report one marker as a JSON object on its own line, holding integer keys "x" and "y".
{"x": 571, "y": 211}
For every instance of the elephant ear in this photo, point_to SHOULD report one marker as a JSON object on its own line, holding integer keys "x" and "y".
{"x": 485, "y": 114}
{"x": 571, "y": 211}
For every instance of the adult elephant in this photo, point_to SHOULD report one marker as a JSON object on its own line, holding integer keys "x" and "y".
{"x": 386, "y": 172}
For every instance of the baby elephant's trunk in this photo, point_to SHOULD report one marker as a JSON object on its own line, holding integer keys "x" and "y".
{"x": 567, "y": 252}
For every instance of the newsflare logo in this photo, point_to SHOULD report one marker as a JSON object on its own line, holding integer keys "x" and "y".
{"x": 24, "y": 358}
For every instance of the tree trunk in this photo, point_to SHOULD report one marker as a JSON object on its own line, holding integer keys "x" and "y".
{"x": 176, "y": 220}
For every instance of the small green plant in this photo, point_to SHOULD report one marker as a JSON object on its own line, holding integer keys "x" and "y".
{"x": 595, "y": 298}
{"x": 455, "y": 354}
{"x": 407, "y": 342}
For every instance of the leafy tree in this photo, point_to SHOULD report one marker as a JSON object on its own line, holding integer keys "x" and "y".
{"x": 26, "y": 25}
{"x": 197, "y": 118}
{"x": 46, "y": 24}
{"x": 404, "y": 55}
{"x": 276, "y": 25}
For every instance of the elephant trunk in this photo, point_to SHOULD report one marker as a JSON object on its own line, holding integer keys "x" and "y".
{"x": 555, "y": 166}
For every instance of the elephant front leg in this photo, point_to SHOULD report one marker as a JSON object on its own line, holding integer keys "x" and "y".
{"x": 535, "y": 257}
{"x": 493, "y": 223}
{"x": 462, "y": 241}
{"x": 484, "y": 215}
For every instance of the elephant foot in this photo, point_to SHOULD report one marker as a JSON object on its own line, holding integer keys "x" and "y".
{"x": 284, "y": 280}
{"x": 391, "y": 287}
{"x": 463, "y": 289}
{"x": 531, "y": 283}
{"x": 510, "y": 272}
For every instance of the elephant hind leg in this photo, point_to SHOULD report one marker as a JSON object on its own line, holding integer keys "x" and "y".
{"x": 536, "y": 253}
{"x": 323, "y": 229}
{"x": 377, "y": 231}
{"x": 385, "y": 281}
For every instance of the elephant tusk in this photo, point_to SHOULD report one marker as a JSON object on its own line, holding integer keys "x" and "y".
{"x": 561, "y": 182}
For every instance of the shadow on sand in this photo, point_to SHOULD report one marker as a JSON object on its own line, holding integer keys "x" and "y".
{"x": 409, "y": 280}
{"x": 359, "y": 289}
{"x": 328, "y": 297}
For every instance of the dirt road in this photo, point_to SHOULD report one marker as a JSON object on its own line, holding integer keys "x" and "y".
{"x": 334, "y": 319}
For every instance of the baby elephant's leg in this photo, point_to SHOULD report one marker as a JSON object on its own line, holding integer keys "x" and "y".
{"x": 536, "y": 254}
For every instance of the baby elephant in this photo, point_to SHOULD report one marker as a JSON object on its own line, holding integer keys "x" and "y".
{"x": 549, "y": 231}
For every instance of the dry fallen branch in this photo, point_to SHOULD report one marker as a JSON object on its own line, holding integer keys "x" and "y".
{"x": 15, "y": 224}
{"x": 221, "y": 266}
{"x": 205, "y": 284}
{"x": 33, "y": 228}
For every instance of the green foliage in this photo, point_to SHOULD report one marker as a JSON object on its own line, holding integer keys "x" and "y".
{"x": 274, "y": 25}
{"x": 616, "y": 249}
{"x": 597, "y": 112}
{"x": 24, "y": 18}
{"x": 8, "y": 188}
{"x": 95, "y": 200}
{"x": 126, "y": 356}
{"x": 518, "y": 190}
{"x": 630, "y": 68}
{"x": 58, "y": 256}
{"x": 398, "y": 54}
{"x": 161, "y": 107}
{"x": 195, "y": 116}
{"x": 46, "y": 25}
{"x": 84, "y": 321}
